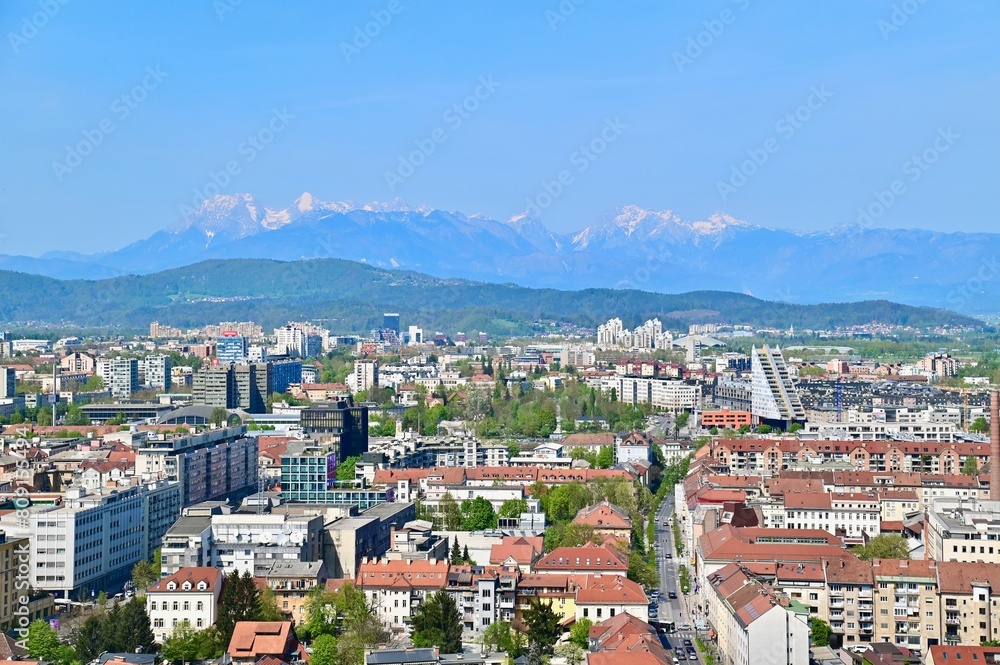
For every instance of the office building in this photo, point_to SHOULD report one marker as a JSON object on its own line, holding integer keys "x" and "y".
{"x": 243, "y": 387}
{"x": 390, "y": 321}
{"x": 309, "y": 474}
{"x": 231, "y": 348}
{"x": 14, "y": 552}
{"x": 338, "y": 422}
{"x": 91, "y": 541}
{"x": 775, "y": 400}
{"x": 284, "y": 373}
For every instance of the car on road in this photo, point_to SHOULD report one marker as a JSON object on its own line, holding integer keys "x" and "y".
{"x": 685, "y": 626}
{"x": 671, "y": 595}
{"x": 691, "y": 652}
{"x": 680, "y": 655}
{"x": 668, "y": 555}
{"x": 687, "y": 641}
{"x": 653, "y": 613}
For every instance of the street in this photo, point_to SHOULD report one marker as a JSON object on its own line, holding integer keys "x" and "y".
{"x": 671, "y": 609}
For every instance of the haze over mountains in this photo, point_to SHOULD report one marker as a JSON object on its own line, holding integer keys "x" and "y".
{"x": 628, "y": 247}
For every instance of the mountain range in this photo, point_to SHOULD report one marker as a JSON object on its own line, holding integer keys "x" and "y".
{"x": 352, "y": 296}
{"x": 627, "y": 248}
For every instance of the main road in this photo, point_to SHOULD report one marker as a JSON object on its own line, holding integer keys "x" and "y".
{"x": 671, "y": 609}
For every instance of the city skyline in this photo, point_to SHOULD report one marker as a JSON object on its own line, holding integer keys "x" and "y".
{"x": 788, "y": 117}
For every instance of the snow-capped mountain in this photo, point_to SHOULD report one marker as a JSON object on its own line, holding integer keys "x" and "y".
{"x": 629, "y": 247}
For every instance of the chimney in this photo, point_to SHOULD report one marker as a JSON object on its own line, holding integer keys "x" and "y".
{"x": 995, "y": 445}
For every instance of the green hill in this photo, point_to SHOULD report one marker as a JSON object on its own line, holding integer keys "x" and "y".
{"x": 273, "y": 292}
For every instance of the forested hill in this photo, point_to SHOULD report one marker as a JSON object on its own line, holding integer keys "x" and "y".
{"x": 352, "y": 296}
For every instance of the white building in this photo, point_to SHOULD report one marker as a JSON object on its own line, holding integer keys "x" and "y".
{"x": 91, "y": 541}
{"x": 668, "y": 394}
{"x": 365, "y": 375}
{"x": 158, "y": 372}
{"x": 190, "y": 594}
{"x": 121, "y": 375}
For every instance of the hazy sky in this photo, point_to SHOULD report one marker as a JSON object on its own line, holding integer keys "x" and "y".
{"x": 114, "y": 115}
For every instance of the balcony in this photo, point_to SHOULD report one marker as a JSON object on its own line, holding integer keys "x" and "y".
{"x": 838, "y": 593}
{"x": 952, "y": 619}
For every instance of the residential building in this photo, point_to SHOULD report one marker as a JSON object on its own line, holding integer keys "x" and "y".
{"x": 14, "y": 553}
{"x": 191, "y": 594}
{"x": 291, "y": 582}
{"x": 906, "y": 603}
{"x": 775, "y": 398}
{"x": 606, "y": 519}
{"x": 365, "y": 375}
{"x": 231, "y": 348}
{"x": 589, "y": 558}
{"x": 77, "y": 363}
{"x": 8, "y": 383}
{"x": 264, "y": 642}
{"x": 395, "y": 589}
{"x": 121, "y": 375}
{"x": 157, "y": 372}
{"x": 967, "y": 602}
{"x": 243, "y": 387}
{"x": 963, "y": 530}
{"x": 667, "y": 394}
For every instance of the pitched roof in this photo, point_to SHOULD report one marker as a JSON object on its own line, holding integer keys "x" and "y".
{"x": 601, "y": 589}
{"x": 211, "y": 576}
{"x": 604, "y": 515}
{"x": 384, "y": 573}
{"x": 522, "y": 549}
{"x": 253, "y": 639}
{"x": 593, "y": 557}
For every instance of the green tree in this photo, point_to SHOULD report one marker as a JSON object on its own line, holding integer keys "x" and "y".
{"x": 132, "y": 630}
{"x": 346, "y": 470}
{"x": 143, "y": 575}
{"x": 886, "y": 546}
{"x": 682, "y": 419}
{"x": 267, "y": 607}
{"x": 795, "y": 427}
{"x": 456, "y": 552}
{"x": 744, "y": 429}
{"x": 570, "y": 652}
{"x": 605, "y": 458}
{"x": 238, "y": 603}
{"x": 334, "y": 612}
{"x": 714, "y": 431}
{"x": 450, "y": 512}
{"x": 980, "y": 426}
{"x": 543, "y": 625}
{"x": 218, "y": 416}
{"x": 438, "y": 623}
{"x": 42, "y": 643}
{"x": 89, "y": 641}
{"x": 324, "y": 650}
{"x": 477, "y": 515}
{"x": 182, "y": 644}
{"x": 500, "y": 636}
{"x": 763, "y": 428}
{"x": 579, "y": 634}
{"x": 819, "y": 632}
{"x": 971, "y": 466}
{"x": 465, "y": 555}
{"x": 513, "y": 507}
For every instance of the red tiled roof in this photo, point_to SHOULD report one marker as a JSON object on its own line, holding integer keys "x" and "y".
{"x": 593, "y": 557}
{"x": 253, "y": 639}
{"x": 211, "y": 576}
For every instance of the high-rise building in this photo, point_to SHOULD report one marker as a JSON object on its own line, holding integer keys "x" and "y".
{"x": 121, "y": 375}
{"x": 340, "y": 423}
{"x": 365, "y": 375}
{"x": 774, "y": 396}
{"x": 415, "y": 335}
{"x": 8, "y": 382}
{"x": 284, "y": 373}
{"x": 295, "y": 340}
{"x": 157, "y": 371}
{"x": 243, "y": 387}
{"x": 390, "y": 321}
{"x": 231, "y": 348}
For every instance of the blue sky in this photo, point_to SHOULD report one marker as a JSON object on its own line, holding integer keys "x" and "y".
{"x": 210, "y": 75}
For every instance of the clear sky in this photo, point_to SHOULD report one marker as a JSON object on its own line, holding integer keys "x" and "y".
{"x": 672, "y": 95}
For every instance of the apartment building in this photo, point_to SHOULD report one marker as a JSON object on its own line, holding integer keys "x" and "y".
{"x": 190, "y": 594}
{"x": 291, "y": 582}
{"x": 157, "y": 372}
{"x": 849, "y": 515}
{"x": 121, "y": 375}
{"x": 906, "y": 603}
{"x": 395, "y": 589}
{"x": 850, "y": 590}
{"x": 667, "y": 394}
{"x": 14, "y": 553}
{"x": 774, "y": 397}
{"x": 213, "y": 465}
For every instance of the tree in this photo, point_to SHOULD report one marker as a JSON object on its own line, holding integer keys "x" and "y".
{"x": 43, "y": 643}
{"x": 795, "y": 427}
{"x": 819, "y": 632}
{"x": 682, "y": 419}
{"x": 478, "y": 515}
{"x": 714, "y": 431}
{"x": 886, "y": 546}
{"x": 980, "y": 426}
{"x": 744, "y": 429}
{"x": 132, "y": 630}
{"x": 543, "y": 625}
{"x": 182, "y": 645}
{"x": 570, "y": 652}
{"x": 334, "y": 612}
{"x": 605, "y": 458}
{"x": 346, "y": 470}
{"x": 763, "y": 428}
{"x": 579, "y": 634}
{"x": 451, "y": 513}
{"x": 267, "y": 607}
{"x": 324, "y": 650}
{"x": 513, "y": 507}
{"x": 971, "y": 466}
{"x": 89, "y": 641}
{"x": 143, "y": 576}
{"x": 456, "y": 552}
{"x": 438, "y": 623}
{"x": 218, "y": 416}
{"x": 465, "y": 555}
{"x": 239, "y": 602}
{"x": 500, "y": 636}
